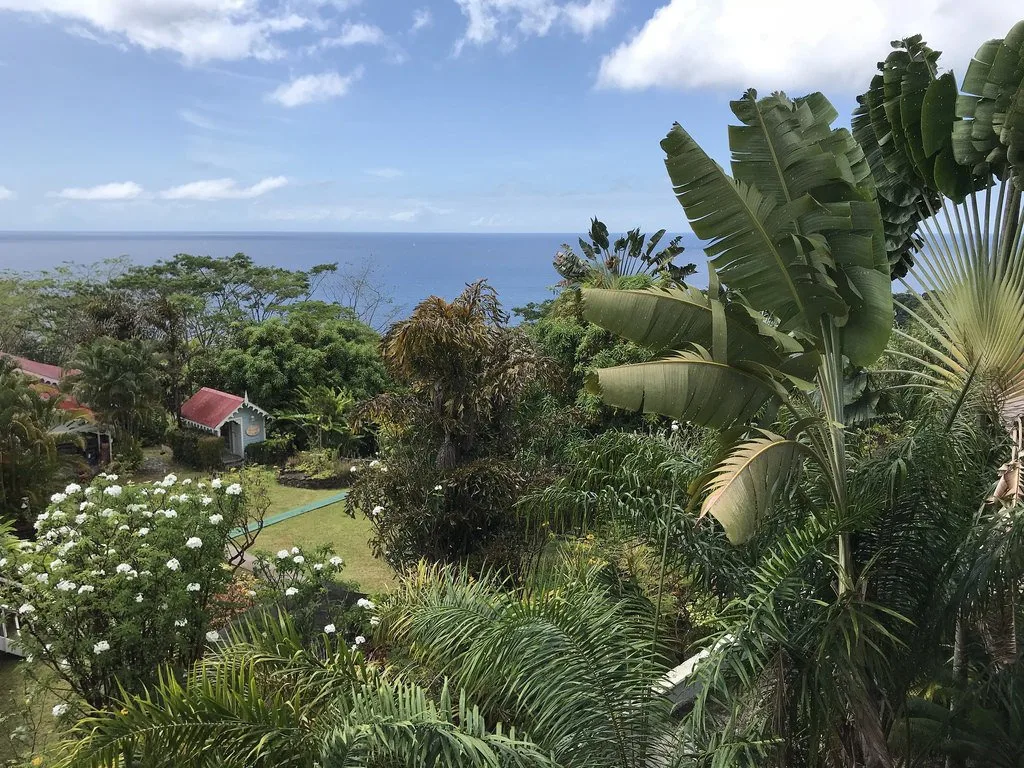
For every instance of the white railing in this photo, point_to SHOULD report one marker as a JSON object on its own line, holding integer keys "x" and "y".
{"x": 10, "y": 630}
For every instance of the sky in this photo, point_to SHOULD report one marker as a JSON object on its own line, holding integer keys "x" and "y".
{"x": 420, "y": 116}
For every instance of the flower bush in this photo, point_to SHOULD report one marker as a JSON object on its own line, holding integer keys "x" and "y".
{"x": 122, "y": 578}
{"x": 463, "y": 515}
{"x": 306, "y": 585}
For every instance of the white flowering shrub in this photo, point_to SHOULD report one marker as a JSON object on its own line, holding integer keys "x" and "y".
{"x": 121, "y": 579}
{"x": 307, "y": 585}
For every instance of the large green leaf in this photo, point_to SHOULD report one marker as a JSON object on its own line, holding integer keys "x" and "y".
{"x": 990, "y": 105}
{"x": 664, "y": 319}
{"x": 690, "y": 386}
{"x": 788, "y": 149}
{"x": 753, "y": 239}
{"x": 745, "y": 483}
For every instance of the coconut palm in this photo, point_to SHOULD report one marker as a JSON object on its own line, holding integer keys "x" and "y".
{"x": 265, "y": 700}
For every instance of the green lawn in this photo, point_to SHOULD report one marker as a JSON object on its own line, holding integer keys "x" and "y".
{"x": 330, "y": 525}
{"x": 36, "y": 719}
{"x": 284, "y": 497}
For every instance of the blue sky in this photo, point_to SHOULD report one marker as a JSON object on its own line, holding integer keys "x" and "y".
{"x": 433, "y": 115}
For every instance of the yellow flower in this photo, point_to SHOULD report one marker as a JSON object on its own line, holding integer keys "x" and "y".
{"x": 124, "y": 711}
{"x": 37, "y": 760}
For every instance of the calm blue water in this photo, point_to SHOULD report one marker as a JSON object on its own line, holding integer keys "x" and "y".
{"x": 410, "y": 266}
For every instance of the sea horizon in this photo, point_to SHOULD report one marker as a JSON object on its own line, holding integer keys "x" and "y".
{"x": 408, "y": 266}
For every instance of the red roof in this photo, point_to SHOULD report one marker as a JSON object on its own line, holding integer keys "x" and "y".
{"x": 44, "y": 371}
{"x": 67, "y": 403}
{"x": 210, "y": 407}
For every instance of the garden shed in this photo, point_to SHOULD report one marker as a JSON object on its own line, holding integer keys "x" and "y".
{"x": 233, "y": 417}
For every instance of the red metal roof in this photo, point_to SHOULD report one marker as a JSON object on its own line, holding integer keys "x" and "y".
{"x": 44, "y": 371}
{"x": 210, "y": 407}
{"x": 67, "y": 402}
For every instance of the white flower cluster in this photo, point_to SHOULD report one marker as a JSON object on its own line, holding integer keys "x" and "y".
{"x": 86, "y": 553}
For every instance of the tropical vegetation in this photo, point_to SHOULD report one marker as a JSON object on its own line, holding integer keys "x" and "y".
{"x": 773, "y": 521}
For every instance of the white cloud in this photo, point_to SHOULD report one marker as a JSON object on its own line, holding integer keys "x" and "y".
{"x": 795, "y": 45}
{"x": 312, "y": 88}
{"x": 421, "y": 18}
{"x": 507, "y": 21}
{"x": 385, "y": 173}
{"x": 374, "y": 211}
{"x": 77, "y": 30}
{"x": 584, "y": 18}
{"x": 355, "y": 34}
{"x": 493, "y": 220}
{"x": 198, "y": 30}
{"x": 118, "y": 190}
{"x": 6, "y": 194}
{"x": 223, "y": 189}
{"x": 198, "y": 120}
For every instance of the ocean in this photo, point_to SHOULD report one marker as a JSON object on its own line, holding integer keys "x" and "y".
{"x": 409, "y": 267}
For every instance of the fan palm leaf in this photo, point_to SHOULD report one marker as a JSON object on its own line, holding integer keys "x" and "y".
{"x": 572, "y": 666}
{"x": 266, "y": 701}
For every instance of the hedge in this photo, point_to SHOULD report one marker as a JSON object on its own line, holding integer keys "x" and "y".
{"x": 196, "y": 449}
{"x": 272, "y": 451}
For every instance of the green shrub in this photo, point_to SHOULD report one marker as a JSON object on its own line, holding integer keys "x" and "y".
{"x": 319, "y": 465}
{"x": 464, "y": 515}
{"x": 127, "y": 454}
{"x": 196, "y": 449}
{"x": 272, "y": 451}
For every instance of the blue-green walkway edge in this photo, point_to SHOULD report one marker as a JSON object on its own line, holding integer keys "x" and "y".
{"x": 288, "y": 515}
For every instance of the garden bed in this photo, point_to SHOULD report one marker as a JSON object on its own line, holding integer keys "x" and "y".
{"x": 296, "y": 478}
{"x": 319, "y": 471}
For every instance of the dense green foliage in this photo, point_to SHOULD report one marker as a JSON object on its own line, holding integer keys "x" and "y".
{"x": 314, "y": 345}
{"x": 451, "y": 465}
{"x": 27, "y": 448}
{"x": 272, "y": 451}
{"x": 199, "y": 450}
{"x": 825, "y": 500}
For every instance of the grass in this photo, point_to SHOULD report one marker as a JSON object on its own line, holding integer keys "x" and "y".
{"x": 348, "y": 536}
{"x": 16, "y": 711}
{"x": 284, "y": 497}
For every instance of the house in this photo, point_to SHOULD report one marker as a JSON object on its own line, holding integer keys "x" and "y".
{"x": 46, "y": 373}
{"x": 234, "y": 418}
{"x": 82, "y": 430}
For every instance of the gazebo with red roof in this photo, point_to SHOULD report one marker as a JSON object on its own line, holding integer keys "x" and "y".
{"x": 233, "y": 417}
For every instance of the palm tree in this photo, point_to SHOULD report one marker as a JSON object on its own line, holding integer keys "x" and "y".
{"x": 119, "y": 380}
{"x": 954, "y": 159}
{"x": 266, "y": 701}
{"x": 571, "y": 660}
{"x": 28, "y": 457}
{"x": 572, "y": 663}
{"x": 324, "y": 412}
{"x": 950, "y": 166}
{"x": 466, "y": 368}
{"x": 796, "y": 237}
